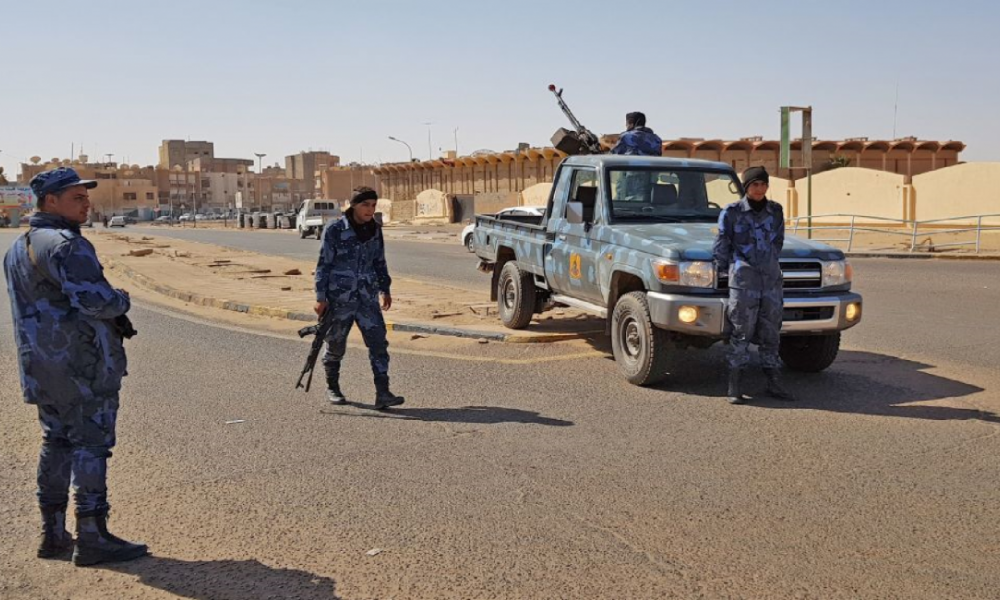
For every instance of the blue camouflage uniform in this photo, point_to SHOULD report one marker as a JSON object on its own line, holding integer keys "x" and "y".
{"x": 71, "y": 357}
{"x": 748, "y": 246}
{"x": 350, "y": 275}
{"x": 637, "y": 186}
{"x": 639, "y": 141}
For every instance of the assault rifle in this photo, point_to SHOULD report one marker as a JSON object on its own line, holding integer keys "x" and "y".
{"x": 319, "y": 330}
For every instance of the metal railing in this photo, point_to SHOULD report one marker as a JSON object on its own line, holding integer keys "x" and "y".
{"x": 899, "y": 227}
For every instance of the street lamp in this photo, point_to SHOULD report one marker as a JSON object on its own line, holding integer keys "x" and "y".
{"x": 430, "y": 153}
{"x": 405, "y": 144}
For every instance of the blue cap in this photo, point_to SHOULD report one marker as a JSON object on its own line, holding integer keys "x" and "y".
{"x": 57, "y": 180}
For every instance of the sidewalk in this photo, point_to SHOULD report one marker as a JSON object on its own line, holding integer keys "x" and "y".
{"x": 273, "y": 286}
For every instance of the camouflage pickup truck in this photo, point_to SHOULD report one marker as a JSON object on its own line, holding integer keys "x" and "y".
{"x": 629, "y": 238}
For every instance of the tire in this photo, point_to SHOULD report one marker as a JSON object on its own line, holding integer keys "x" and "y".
{"x": 470, "y": 243}
{"x": 809, "y": 353}
{"x": 515, "y": 296}
{"x": 303, "y": 234}
{"x": 319, "y": 233}
{"x": 641, "y": 348}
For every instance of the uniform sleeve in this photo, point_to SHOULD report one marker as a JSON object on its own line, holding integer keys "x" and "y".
{"x": 327, "y": 252}
{"x": 723, "y": 248}
{"x": 82, "y": 279}
{"x": 621, "y": 146}
{"x": 779, "y": 239}
{"x": 381, "y": 268}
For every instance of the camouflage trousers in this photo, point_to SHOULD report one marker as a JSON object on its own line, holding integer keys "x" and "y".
{"x": 368, "y": 315}
{"x": 756, "y": 318}
{"x": 76, "y": 444}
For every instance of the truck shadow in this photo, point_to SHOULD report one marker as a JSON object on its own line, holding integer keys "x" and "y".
{"x": 476, "y": 415}
{"x": 862, "y": 383}
{"x": 226, "y": 579}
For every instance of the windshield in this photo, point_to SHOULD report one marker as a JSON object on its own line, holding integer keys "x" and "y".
{"x": 670, "y": 195}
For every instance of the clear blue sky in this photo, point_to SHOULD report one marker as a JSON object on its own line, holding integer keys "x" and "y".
{"x": 283, "y": 77}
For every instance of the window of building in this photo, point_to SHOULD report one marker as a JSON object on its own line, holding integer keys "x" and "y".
{"x": 149, "y": 195}
{"x": 129, "y": 196}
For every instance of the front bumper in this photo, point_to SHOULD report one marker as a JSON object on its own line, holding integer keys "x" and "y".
{"x": 803, "y": 315}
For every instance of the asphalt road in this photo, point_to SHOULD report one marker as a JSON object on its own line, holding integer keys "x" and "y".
{"x": 536, "y": 472}
{"x": 441, "y": 262}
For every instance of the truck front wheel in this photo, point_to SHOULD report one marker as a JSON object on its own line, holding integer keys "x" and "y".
{"x": 515, "y": 296}
{"x": 809, "y": 353}
{"x": 302, "y": 233}
{"x": 640, "y": 347}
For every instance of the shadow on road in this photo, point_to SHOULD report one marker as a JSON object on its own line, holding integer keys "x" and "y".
{"x": 480, "y": 415}
{"x": 863, "y": 383}
{"x": 226, "y": 579}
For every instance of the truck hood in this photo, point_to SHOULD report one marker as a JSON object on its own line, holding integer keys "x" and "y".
{"x": 693, "y": 241}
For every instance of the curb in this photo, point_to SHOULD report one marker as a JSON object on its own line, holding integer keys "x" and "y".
{"x": 267, "y": 311}
{"x": 911, "y": 256}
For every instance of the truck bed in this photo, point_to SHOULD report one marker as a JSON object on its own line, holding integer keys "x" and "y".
{"x": 524, "y": 234}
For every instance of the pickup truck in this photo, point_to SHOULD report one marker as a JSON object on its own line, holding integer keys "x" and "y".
{"x": 629, "y": 238}
{"x": 313, "y": 215}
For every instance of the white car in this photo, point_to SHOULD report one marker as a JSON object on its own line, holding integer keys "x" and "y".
{"x": 117, "y": 221}
{"x": 531, "y": 211}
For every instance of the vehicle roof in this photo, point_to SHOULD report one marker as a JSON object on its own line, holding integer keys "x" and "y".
{"x": 622, "y": 160}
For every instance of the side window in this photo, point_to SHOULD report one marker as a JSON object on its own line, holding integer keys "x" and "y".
{"x": 583, "y": 189}
{"x": 559, "y": 194}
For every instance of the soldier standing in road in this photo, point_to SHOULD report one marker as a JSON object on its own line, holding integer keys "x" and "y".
{"x": 69, "y": 324}
{"x": 350, "y": 277}
{"x": 748, "y": 246}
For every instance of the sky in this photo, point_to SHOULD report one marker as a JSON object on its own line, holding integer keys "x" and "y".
{"x": 283, "y": 77}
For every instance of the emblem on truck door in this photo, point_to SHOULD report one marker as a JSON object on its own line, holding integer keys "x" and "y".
{"x": 574, "y": 266}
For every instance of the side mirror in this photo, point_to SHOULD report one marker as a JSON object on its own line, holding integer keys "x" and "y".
{"x": 574, "y": 213}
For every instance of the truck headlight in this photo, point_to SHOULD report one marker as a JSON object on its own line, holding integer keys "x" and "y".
{"x": 836, "y": 272}
{"x": 689, "y": 274}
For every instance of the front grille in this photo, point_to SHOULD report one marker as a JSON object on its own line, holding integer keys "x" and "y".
{"x": 811, "y": 313}
{"x": 798, "y": 275}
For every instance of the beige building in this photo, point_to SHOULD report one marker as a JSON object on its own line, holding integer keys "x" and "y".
{"x": 121, "y": 189}
{"x": 513, "y": 171}
{"x": 220, "y": 165}
{"x": 305, "y": 166}
{"x": 337, "y": 183}
{"x": 181, "y": 152}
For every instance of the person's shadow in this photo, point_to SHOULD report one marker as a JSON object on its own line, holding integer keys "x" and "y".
{"x": 480, "y": 415}
{"x": 226, "y": 579}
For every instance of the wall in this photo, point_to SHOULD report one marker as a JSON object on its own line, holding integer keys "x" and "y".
{"x": 969, "y": 189}
{"x": 856, "y": 191}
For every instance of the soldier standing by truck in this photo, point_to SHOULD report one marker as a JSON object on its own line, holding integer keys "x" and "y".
{"x": 748, "y": 246}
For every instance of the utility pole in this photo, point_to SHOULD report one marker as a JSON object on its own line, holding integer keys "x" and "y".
{"x": 430, "y": 152}
{"x": 806, "y": 153}
{"x": 260, "y": 175}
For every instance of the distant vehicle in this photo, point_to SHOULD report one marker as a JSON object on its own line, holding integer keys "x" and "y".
{"x": 201, "y": 217}
{"x": 130, "y": 220}
{"x": 164, "y": 219}
{"x": 186, "y": 217}
{"x": 117, "y": 221}
{"x": 314, "y": 215}
{"x": 528, "y": 211}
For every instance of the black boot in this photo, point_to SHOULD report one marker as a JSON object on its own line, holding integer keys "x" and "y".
{"x": 333, "y": 393}
{"x": 95, "y": 545}
{"x": 55, "y": 541}
{"x": 774, "y": 387}
{"x": 383, "y": 397}
{"x": 735, "y": 391}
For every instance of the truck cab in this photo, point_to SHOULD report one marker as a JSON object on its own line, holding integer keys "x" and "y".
{"x": 314, "y": 214}
{"x": 629, "y": 238}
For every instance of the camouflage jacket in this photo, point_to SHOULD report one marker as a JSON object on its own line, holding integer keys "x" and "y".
{"x": 639, "y": 141}
{"x": 348, "y": 268}
{"x": 69, "y": 349}
{"x": 749, "y": 245}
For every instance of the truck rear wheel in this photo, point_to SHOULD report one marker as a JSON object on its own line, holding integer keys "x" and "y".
{"x": 319, "y": 233}
{"x": 303, "y": 233}
{"x": 809, "y": 353}
{"x": 641, "y": 349}
{"x": 515, "y": 296}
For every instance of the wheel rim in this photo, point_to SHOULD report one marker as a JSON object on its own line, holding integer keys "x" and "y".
{"x": 470, "y": 244}
{"x": 630, "y": 339}
{"x": 509, "y": 295}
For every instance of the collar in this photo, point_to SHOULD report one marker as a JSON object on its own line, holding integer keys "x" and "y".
{"x": 44, "y": 220}
{"x": 745, "y": 205}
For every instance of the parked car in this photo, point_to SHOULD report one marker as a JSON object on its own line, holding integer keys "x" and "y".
{"x": 117, "y": 221}
{"x": 530, "y": 211}
{"x": 186, "y": 217}
{"x": 314, "y": 214}
{"x": 164, "y": 219}
{"x": 629, "y": 238}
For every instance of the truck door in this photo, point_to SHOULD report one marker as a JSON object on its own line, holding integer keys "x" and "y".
{"x": 571, "y": 264}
